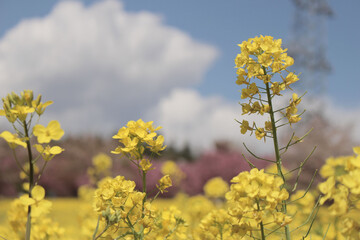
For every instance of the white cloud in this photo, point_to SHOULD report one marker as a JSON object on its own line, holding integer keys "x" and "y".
{"x": 189, "y": 118}
{"x": 338, "y": 116}
{"x": 100, "y": 64}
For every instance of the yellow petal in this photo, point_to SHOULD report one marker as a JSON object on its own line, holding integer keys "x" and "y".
{"x": 55, "y": 129}
{"x": 26, "y": 200}
{"x": 39, "y": 148}
{"x": 47, "y": 104}
{"x": 38, "y": 129}
{"x": 56, "y": 150}
{"x": 38, "y": 193}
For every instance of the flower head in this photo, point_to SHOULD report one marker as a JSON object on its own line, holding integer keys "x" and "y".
{"x": 53, "y": 131}
{"x": 48, "y": 152}
{"x": 164, "y": 183}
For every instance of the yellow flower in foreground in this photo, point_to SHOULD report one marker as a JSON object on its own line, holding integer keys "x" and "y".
{"x": 12, "y": 139}
{"x": 53, "y": 131}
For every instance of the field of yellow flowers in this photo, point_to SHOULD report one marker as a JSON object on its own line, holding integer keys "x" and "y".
{"x": 258, "y": 204}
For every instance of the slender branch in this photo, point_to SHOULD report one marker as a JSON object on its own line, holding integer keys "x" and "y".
{"x": 261, "y": 224}
{"x": 41, "y": 172}
{"x": 301, "y": 167}
{"x": 316, "y": 207}
{"x": 289, "y": 142}
{"x": 298, "y": 140}
{"x": 96, "y": 228}
{"x": 326, "y": 231}
{"x": 144, "y": 191}
{"x": 307, "y": 189}
{"x": 17, "y": 162}
{"x": 311, "y": 224}
{"x": 157, "y": 194}
{"x": 260, "y": 158}
{"x": 250, "y": 163}
{"x": 103, "y": 231}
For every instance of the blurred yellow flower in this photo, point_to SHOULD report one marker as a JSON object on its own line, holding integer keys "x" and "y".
{"x": 216, "y": 187}
{"x": 102, "y": 162}
{"x": 22, "y": 111}
{"x": 12, "y": 139}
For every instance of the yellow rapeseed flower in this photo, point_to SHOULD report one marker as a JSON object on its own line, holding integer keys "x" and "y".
{"x": 48, "y": 152}
{"x": 145, "y": 165}
{"x": 53, "y": 131}
{"x": 164, "y": 183}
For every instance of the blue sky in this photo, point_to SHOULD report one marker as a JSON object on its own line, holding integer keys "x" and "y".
{"x": 224, "y": 24}
{"x": 218, "y": 26}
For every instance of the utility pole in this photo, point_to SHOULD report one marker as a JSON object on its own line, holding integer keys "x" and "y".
{"x": 308, "y": 44}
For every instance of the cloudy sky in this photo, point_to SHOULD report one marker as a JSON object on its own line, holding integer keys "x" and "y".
{"x": 104, "y": 63}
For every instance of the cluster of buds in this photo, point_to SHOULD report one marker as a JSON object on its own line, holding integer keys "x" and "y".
{"x": 18, "y": 107}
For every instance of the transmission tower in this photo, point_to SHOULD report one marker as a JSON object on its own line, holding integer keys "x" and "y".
{"x": 308, "y": 43}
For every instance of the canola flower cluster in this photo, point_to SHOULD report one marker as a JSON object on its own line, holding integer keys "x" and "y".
{"x": 121, "y": 208}
{"x": 137, "y": 136}
{"x": 341, "y": 192}
{"x": 257, "y": 196}
{"x": 260, "y": 60}
{"x": 206, "y": 217}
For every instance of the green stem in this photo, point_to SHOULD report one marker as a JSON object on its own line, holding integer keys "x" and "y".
{"x": 31, "y": 180}
{"x": 105, "y": 229}
{"x": 41, "y": 172}
{"x": 144, "y": 191}
{"x": 144, "y": 181}
{"x": 277, "y": 152}
{"x": 17, "y": 161}
{"x": 261, "y": 225}
{"x": 274, "y": 133}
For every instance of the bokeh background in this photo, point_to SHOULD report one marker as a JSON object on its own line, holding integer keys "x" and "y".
{"x": 104, "y": 63}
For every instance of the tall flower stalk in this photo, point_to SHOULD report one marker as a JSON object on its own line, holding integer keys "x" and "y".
{"x": 20, "y": 111}
{"x": 262, "y": 68}
{"x": 122, "y": 210}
